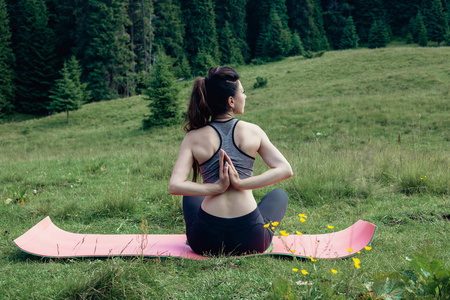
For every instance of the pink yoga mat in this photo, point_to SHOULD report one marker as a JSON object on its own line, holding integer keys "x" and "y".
{"x": 47, "y": 240}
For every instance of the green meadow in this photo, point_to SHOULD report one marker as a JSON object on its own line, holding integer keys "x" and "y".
{"x": 367, "y": 133}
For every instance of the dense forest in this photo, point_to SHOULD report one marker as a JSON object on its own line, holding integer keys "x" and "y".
{"x": 58, "y": 54}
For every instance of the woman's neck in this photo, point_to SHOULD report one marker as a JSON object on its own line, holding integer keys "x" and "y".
{"x": 224, "y": 117}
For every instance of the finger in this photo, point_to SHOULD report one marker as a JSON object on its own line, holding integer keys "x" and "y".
{"x": 228, "y": 159}
{"x": 230, "y": 163}
{"x": 221, "y": 155}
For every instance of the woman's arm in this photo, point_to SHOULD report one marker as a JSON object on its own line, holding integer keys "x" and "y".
{"x": 280, "y": 169}
{"x": 179, "y": 181}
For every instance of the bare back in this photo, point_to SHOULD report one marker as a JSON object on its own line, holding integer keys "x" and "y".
{"x": 204, "y": 143}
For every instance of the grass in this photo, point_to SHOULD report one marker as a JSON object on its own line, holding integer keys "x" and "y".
{"x": 366, "y": 132}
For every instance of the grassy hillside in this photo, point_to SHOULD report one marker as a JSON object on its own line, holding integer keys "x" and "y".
{"x": 366, "y": 132}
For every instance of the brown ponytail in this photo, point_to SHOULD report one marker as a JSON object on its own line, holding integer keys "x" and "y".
{"x": 198, "y": 113}
{"x": 209, "y": 98}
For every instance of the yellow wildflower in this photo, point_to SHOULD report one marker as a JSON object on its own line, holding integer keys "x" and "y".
{"x": 295, "y": 269}
{"x": 293, "y": 251}
{"x": 330, "y": 227}
{"x": 349, "y": 249}
{"x": 304, "y": 272}
{"x": 266, "y": 225}
{"x": 334, "y": 271}
{"x": 273, "y": 228}
{"x": 299, "y": 233}
{"x": 275, "y": 224}
{"x": 357, "y": 266}
{"x": 302, "y": 220}
{"x": 356, "y": 260}
{"x": 312, "y": 259}
{"x": 359, "y": 252}
{"x": 368, "y": 248}
{"x": 302, "y": 215}
{"x": 283, "y": 233}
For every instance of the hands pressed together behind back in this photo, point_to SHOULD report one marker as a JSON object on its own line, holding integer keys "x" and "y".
{"x": 227, "y": 172}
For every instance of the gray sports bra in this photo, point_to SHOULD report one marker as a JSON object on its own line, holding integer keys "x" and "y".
{"x": 241, "y": 161}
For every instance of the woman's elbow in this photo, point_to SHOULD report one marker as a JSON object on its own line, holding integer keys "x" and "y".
{"x": 288, "y": 171}
{"x": 173, "y": 189}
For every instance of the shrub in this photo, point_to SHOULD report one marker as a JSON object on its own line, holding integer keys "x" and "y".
{"x": 260, "y": 82}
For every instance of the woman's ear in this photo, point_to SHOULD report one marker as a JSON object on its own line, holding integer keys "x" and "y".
{"x": 231, "y": 102}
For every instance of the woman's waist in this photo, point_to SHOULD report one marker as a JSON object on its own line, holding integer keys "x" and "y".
{"x": 230, "y": 204}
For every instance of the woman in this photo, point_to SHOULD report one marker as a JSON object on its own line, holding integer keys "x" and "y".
{"x": 221, "y": 214}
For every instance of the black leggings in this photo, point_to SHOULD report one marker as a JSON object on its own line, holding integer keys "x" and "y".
{"x": 208, "y": 234}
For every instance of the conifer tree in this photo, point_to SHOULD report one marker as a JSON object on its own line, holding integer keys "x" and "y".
{"x": 141, "y": 32}
{"x": 33, "y": 45}
{"x": 6, "y": 62}
{"x": 378, "y": 35}
{"x": 258, "y": 19}
{"x": 297, "y": 46}
{"x": 334, "y": 21}
{"x": 413, "y": 28}
{"x": 169, "y": 33}
{"x": 103, "y": 47}
{"x": 68, "y": 92}
{"x": 274, "y": 37}
{"x": 75, "y": 73}
{"x": 305, "y": 16}
{"x": 436, "y": 22}
{"x": 201, "y": 34}
{"x": 230, "y": 51}
{"x": 349, "y": 39}
{"x": 422, "y": 35}
{"x": 163, "y": 94}
{"x": 418, "y": 29}
{"x": 275, "y": 40}
{"x": 364, "y": 14}
{"x": 398, "y": 13}
{"x": 62, "y": 22}
{"x": 203, "y": 62}
{"x": 232, "y": 12}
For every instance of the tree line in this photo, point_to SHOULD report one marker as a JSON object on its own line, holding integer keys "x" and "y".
{"x": 56, "y": 55}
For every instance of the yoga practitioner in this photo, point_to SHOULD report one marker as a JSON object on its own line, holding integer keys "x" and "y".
{"x": 221, "y": 214}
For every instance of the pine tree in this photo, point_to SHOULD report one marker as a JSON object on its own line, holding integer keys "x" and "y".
{"x": 6, "y": 62}
{"x": 436, "y": 22}
{"x": 103, "y": 48}
{"x": 413, "y": 28}
{"x": 334, "y": 21}
{"x": 349, "y": 39}
{"x": 378, "y": 35}
{"x": 305, "y": 17}
{"x": 141, "y": 32}
{"x": 233, "y": 12}
{"x": 418, "y": 30}
{"x": 75, "y": 73}
{"x": 203, "y": 62}
{"x": 398, "y": 13}
{"x": 201, "y": 34}
{"x": 169, "y": 33}
{"x": 258, "y": 22}
{"x": 33, "y": 45}
{"x": 63, "y": 23}
{"x": 422, "y": 35}
{"x": 67, "y": 93}
{"x": 297, "y": 46}
{"x": 163, "y": 94}
{"x": 229, "y": 50}
{"x": 276, "y": 39}
{"x": 364, "y": 14}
